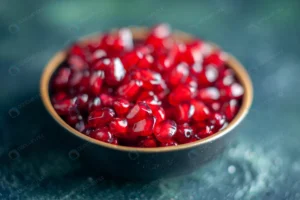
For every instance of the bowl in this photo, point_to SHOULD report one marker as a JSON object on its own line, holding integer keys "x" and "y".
{"x": 148, "y": 163}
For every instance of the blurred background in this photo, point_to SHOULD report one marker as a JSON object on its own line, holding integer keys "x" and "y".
{"x": 262, "y": 163}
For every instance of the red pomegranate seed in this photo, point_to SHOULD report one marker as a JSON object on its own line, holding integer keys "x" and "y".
{"x": 181, "y": 94}
{"x": 97, "y": 55}
{"x": 72, "y": 118}
{"x": 96, "y": 81}
{"x": 233, "y": 91}
{"x": 184, "y": 133}
{"x": 77, "y": 63}
{"x": 121, "y": 106}
{"x": 207, "y": 76}
{"x": 149, "y": 78}
{"x": 165, "y": 130}
{"x": 178, "y": 75}
{"x": 80, "y": 126}
{"x": 145, "y": 62}
{"x": 102, "y": 134}
{"x": 78, "y": 51}
{"x": 150, "y": 98}
{"x": 63, "y": 107}
{"x": 184, "y": 112}
{"x": 106, "y": 99}
{"x": 81, "y": 101}
{"x": 209, "y": 94}
{"x": 59, "y": 97}
{"x": 159, "y": 114}
{"x": 226, "y": 78}
{"x": 204, "y": 132}
{"x": 144, "y": 127}
{"x": 217, "y": 59}
{"x": 119, "y": 127}
{"x": 193, "y": 53}
{"x": 75, "y": 79}
{"x": 84, "y": 82}
{"x": 230, "y": 109}
{"x": 159, "y": 37}
{"x": 129, "y": 90}
{"x": 139, "y": 111}
{"x": 115, "y": 72}
{"x": 201, "y": 111}
{"x": 98, "y": 118}
{"x": 130, "y": 59}
{"x": 149, "y": 141}
{"x": 61, "y": 79}
{"x": 168, "y": 143}
{"x": 218, "y": 120}
{"x": 94, "y": 104}
{"x": 101, "y": 64}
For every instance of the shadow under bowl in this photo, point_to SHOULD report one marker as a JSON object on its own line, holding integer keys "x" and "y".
{"x": 148, "y": 163}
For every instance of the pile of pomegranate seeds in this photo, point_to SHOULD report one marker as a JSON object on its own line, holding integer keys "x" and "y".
{"x": 152, "y": 93}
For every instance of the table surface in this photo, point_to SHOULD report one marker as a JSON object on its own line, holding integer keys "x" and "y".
{"x": 262, "y": 163}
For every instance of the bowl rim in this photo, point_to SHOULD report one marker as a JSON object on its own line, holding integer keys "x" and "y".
{"x": 140, "y": 32}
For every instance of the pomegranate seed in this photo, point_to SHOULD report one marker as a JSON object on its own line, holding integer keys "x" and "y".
{"x": 118, "y": 127}
{"x": 101, "y": 64}
{"x": 180, "y": 94}
{"x": 102, "y": 134}
{"x": 226, "y": 78}
{"x": 201, "y": 111}
{"x": 61, "y": 79}
{"x": 149, "y": 141}
{"x": 144, "y": 127}
{"x": 121, "y": 106}
{"x": 96, "y": 81}
{"x": 115, "y": 72}
{"x": 184, "y": 112}
{"x": 145, "y": 62}
{"x": 218, "y": 120}
{"x": 97, "y": 55}
{"x": 217, "y": 59}
{"x": 63, "y": 107}
{"x": 150, "y": 98}
{"x": 129, "y": 90}
{"x": 80, "y": 126}
{"x": 78, "y": 51}
{"x": 159, "y": 114}
{"x": 59, "y": 97}
{"x": 209, "y": 94}
{"x": 178, "y": 75}
{"x": 165, "y": 130}
{"x": 204, "y": 132}
{"x": 140, "y": 111}
{"x": 233, "y": 91}
{"x": 81, "y": 101}
{"x": 98, "y": 118}
{"x": 77, "y": 63}
{"x": 230, "y": 109}
{"x": 73, "y": 117}
{"x": 168, "y": 143}
{"x": 208, "y": 76}
{"x": 131, "y": 59}
{"x": 193, "y": 52}
{"x": 159, "y": 37}
{"x": 106, "y": 99}
{"x": 94, "y": 104}
{"x": 184, "y": 133}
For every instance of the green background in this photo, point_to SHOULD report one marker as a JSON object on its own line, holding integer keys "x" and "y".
{"x": 263, "y": 162}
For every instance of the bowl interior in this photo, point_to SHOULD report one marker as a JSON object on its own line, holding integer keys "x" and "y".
{"x": 141, "y": 33}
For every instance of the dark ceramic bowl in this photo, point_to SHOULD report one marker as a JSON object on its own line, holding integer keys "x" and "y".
{"x": 148, "y": 163}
